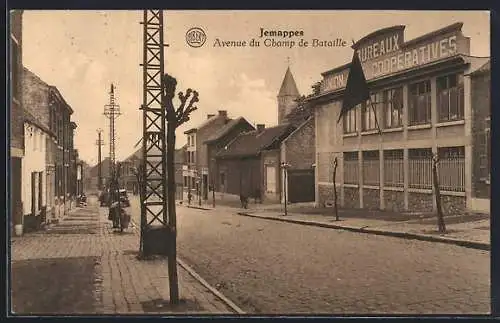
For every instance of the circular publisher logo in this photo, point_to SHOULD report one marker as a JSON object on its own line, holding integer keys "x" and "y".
{"x": 196, "y": 37}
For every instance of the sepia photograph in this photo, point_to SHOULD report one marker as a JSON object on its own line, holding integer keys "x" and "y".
{"x": 248, "y": 163}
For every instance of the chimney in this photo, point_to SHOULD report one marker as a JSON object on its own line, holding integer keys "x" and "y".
{"x": 260, "y": 127}
{"x": 210, "y": 115}
{"x": 222, "y": 113}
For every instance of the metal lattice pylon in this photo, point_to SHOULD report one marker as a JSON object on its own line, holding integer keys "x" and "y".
{"x": 154, "y": 206}
{"x": 112, "y": 112}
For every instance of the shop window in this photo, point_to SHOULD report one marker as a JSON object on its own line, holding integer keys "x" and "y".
{"x": 371, "y": 168}
{"x": 349, "y": 120}
{"x": 393, "y": 108}
{"x": 368, "y": 112}
{"x": 419, "y": 108}
{"x": 420, "y": 168}
{"x": 351, "y": 168}
{"x": 394, "y": 168}
{"x": 450, "y": 97}
{"x": 451, "y": 168}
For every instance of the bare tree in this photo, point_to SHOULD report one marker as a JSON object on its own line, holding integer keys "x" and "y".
{"x": 335, "y": 207}
{"x": 441, "y": 224}
{"x": 175, "y": 118}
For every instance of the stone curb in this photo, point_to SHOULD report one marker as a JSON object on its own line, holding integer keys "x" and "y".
{"x": 405, "y": 235}
{"x": 199, "y": 279}
{"x": 214, "y": 291}
{"x": 198, "y": 207}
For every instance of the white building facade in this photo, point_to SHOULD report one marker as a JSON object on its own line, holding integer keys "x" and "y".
{"x": 34, "y": 189}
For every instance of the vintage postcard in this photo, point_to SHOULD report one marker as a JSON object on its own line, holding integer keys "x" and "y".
{"x": 169, "y": 162}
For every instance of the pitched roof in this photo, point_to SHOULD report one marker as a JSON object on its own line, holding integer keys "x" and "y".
{"x": 288, "y": 87}
{"x": 205, "y": 123}
{"x": 253, "y": 142}
{"x": 226, "y": 128}
{"x": 94, "y": 171}
{"x": 480, "y": 68}
{"x": 29, "y": 118}
{"x": 299, "y": 114}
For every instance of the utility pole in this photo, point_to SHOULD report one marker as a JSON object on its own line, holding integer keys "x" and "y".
{"x": 99, "y": 143}
{"x": 112, "y": 112}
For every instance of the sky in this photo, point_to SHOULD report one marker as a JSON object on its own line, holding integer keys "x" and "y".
{"x": 83, "y": 52}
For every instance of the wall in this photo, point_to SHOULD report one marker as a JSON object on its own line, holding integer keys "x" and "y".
{"x": 299, "y": 148}
{"x": 242, "y": 175}
{"x": 272, "y": 159}
{"x": 16, "y": 120}
{"x": 203, "y": 134}
{"x": 34, "y": 161}
{"x": 16, "y": 113}
{"x": 331, "y": 142}
{"x": 214, "y": 147}
{"x": 36, "y": 97}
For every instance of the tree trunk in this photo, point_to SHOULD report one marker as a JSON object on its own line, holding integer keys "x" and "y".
{"x": 172, "y": 258}
{"x": 335, "y": 209}
{"x": 441, "y": 224}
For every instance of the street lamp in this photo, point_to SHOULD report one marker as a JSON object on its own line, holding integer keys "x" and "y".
{"x": 285, "y": 166}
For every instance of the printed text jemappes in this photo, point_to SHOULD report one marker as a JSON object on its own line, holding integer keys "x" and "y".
{"x": 281, "y": 33}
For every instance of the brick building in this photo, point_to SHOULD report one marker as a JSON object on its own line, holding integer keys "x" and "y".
{"x": 196, "y": 170}
{"x": 481, "y": 134}
{"x": 49, "y": 107}
{"x": 250, "y": 164}
{"x": 218, "y": 141}
{"x": 421, "y": 91}
{"x": 16, "y": 152}
{"x": 298, "y": 149}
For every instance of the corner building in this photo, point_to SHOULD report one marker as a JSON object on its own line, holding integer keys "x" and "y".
{"x": 422, "y": 97}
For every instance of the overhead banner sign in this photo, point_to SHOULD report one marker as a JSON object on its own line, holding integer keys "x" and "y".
{"x": 389, "y": 55}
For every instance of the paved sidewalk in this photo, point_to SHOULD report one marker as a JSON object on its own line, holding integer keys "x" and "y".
{"x": 468, "y": 230}
{"x": 104, "y": 263}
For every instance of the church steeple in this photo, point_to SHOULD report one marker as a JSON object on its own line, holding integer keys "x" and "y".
{"x": 287, "y": 95}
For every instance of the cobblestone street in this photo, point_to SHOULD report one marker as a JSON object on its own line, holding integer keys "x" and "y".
{"x": 83, "y": 267}
{"x": 273, "y": 267}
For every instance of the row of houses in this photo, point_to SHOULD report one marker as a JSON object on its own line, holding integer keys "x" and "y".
{"x": 44, "y": 174}
{"x": 430, "y": 97}
{"x": 232, "y": 156}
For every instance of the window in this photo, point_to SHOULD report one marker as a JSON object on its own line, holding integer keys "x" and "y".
{"x": 185, "y": 180}
{"x": 351, "y": 168}
{"x": 371, "y": 168}
{"x": 393, "y": 168}
{"x": 451, "y": 168}
{"x": 349, "y": 120}
{"x": 15, "y": 72}
{"x": 450, "y": 97}
{"x": 189, "y": 141}
{"x": 393, "y": 108}
{"x": 419, "y": 108}
{"x": 270, "y": 179}
{"x": 368, "y": 117}
{"x": 420, "y": 168}
{"x": 222, "y": 179}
